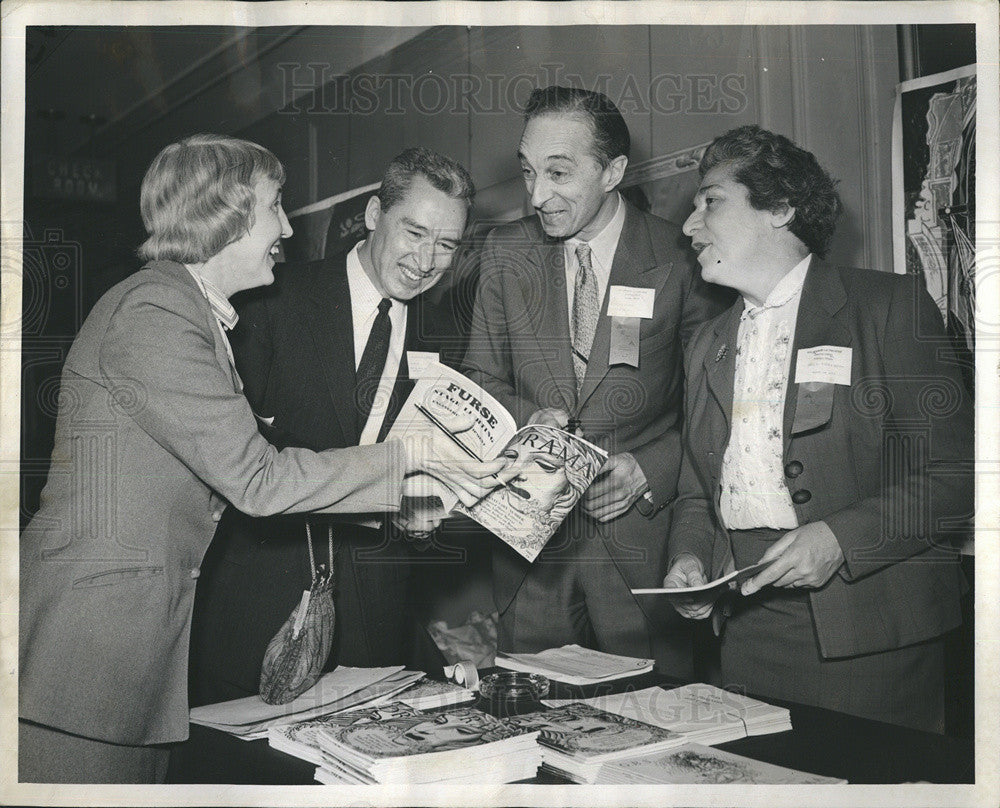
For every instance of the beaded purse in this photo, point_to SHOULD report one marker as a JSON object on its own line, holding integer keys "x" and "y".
{"x": 296, "y": 655}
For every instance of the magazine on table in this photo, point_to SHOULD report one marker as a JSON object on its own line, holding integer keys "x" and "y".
{"x": 299, "y": 739}
{"x": 696, "y": 764}
{"x": 577, "y": 739}
{"x": 702, "y": 713}
{"x": 554, "y": 467}
{"x": 428, "y": 748}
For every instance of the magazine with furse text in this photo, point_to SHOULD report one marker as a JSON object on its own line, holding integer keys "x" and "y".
{"x": 554, "y": 467}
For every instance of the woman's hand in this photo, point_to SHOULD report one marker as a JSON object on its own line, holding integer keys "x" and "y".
{"x": 806, "y": 558}
{"x": 436, "y": 455}
{"x": 688, "y": 570}
{"x": 469, "y": 479}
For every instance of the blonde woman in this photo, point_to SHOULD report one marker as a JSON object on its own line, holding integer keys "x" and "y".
{"x": 153, "y": 438}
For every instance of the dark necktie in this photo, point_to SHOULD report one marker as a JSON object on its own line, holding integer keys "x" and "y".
{"x": 372, "y": 363}
{"x": 586, "y": 309}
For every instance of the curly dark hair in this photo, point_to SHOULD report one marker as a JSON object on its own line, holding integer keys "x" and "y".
{"x": 775, "y": 171}
{"x": 611, "y": 137}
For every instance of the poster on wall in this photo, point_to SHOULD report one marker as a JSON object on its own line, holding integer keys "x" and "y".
{"x": 665, "y": 184}
{"x": 330, "y": 226}
{"x": 934, "y": 193}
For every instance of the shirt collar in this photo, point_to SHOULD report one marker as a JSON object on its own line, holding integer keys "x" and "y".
{"x": 365, "y": 295}
{"x": 785, "y": 289}
{"x": 219, "y": 303}
{"x": 604, "y": 244}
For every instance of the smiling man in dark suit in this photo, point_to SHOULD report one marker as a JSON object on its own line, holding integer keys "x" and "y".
{"x": 324, "y": 356}
{"x": 580, "y": 319}
{"x": 828, "y": 433}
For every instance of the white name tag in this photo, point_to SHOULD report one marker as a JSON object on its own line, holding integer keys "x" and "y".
{"x": 630, "y": 301}
{"x": 826, "y": 364}
{"x": 419, "y": 361}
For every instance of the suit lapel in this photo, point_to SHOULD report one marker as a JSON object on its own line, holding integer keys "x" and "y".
{"x": 327, "y": 317}
{"x": 633, "y": 257}
{"x": 720, "y": 361}
{"x": 552, "y": 332}
{"x": 634, "y": 260}
{"x": 823, "y": 296}
{"x": 181, "y": 273}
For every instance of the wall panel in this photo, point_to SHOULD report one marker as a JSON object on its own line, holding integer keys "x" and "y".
{"x": 508, "y": 62}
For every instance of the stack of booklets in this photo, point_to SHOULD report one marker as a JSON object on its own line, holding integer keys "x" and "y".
{"x": 574, "y": 665}
{"x": 462, "y": 746}
{"x": 577, "y": 739}
{"x": 700, "y": 713}
{"x": 299, "y": 739}
{"x": 696, "y": 764}
{"x": 341, "y": 689}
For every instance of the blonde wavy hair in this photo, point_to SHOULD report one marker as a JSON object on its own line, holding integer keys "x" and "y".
{"x": 198, "y": 196}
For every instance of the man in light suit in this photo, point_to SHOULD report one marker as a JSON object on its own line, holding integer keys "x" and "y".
{"x": 545, "y": 344}
{"x": 299, "y": 349}
{"x": 828, "y": 433}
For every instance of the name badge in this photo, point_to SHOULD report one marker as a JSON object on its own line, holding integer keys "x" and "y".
{"x": 631, "y": 301}
{"x": 824, "y": 364}
{"x": 419, "y": 361}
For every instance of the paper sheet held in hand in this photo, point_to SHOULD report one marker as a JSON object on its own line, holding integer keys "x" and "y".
{"x": 733, "y": 580}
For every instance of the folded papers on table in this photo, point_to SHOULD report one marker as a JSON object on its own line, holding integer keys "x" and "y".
{"x": 340, "y": 689}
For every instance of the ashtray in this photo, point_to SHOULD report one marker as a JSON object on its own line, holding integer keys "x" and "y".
{"x": 514, "y": 686}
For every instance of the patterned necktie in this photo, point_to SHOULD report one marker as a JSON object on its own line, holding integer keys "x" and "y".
{"x": 586, "y": 308}
{"x": 372, "y": 363}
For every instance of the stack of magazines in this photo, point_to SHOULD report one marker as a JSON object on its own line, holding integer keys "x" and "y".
{"x": 462, "y": 746}
{"x": 695, "y": 764}
{"x": 299, "y": 739}
{"x": 578, "y": 739}
{"x": 700, "y": 713}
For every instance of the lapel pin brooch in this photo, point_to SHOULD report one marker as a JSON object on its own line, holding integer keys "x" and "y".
{"x": 722, "y": 353}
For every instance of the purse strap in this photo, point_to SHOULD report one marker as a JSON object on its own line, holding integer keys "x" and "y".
{"x": 317, "y": 572}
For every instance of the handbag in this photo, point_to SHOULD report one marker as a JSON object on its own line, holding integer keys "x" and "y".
{"x": 295, "y": 657}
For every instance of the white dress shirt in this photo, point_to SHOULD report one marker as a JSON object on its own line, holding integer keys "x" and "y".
{"x": 364, "y": 308}
{"x": 753, "y": 492}
{"x": 602, "y": 253}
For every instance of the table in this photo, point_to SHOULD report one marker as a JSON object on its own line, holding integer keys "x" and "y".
{"x": 821, "y": 742}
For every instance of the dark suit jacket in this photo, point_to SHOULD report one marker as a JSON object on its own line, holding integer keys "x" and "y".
{"x": 887, "y": 464}
{"x": 519, "y": 350}
{"x": 152, "y": 437}
{"x": 294, "y": 349}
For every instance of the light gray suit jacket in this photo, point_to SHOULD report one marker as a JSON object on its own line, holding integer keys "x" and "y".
{"x": 153, "y": 433}
{"x": 519, "y": 350}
